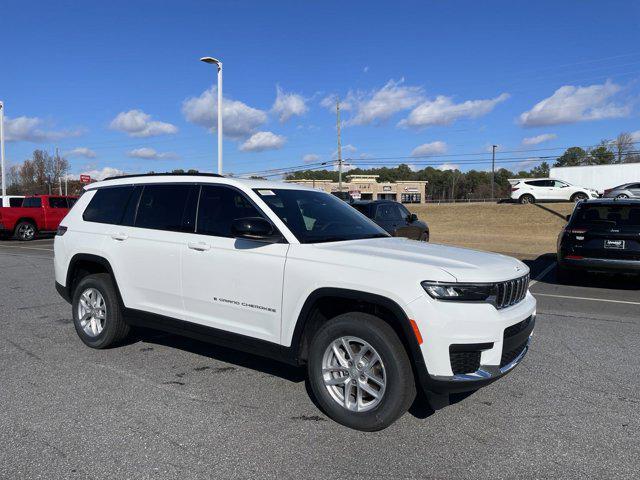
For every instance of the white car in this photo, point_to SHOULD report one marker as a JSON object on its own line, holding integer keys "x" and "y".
{"x": 297, "y": 275}
{"x": 530, "y": 190}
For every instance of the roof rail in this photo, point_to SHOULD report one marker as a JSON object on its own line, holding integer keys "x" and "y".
{"x": 164, "y": 174}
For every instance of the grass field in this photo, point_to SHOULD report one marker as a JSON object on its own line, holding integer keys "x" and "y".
{"x": 522, "y": 231}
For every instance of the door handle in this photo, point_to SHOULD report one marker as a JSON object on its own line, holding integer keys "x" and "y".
{"x": 200, "y": 246}
{"x": 119, "y": 236}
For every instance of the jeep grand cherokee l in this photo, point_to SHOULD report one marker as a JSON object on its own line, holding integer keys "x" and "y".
{"x": 298, "y": 275}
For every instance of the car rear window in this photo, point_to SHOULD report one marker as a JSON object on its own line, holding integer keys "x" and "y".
{"x": 607, "y": 216}
{"x": 107, "y": 205}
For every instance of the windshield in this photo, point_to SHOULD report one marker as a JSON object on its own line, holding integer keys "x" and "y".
{"x": 315, "y": 217}
{"x": 607, "y": 216}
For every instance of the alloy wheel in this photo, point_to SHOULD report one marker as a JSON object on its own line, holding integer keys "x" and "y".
{"x": 353, "y": 374}
{"x": 92, "y": 312}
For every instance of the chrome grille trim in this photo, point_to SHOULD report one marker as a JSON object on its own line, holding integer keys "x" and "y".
{"x": 511, "y": 292}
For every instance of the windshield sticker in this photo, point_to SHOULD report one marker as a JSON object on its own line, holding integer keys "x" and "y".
{"x": 266, "y": 192}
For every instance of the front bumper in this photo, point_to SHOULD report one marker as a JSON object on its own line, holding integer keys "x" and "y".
{"x": 497, "y": 341}
{"x": 601, "y": 264}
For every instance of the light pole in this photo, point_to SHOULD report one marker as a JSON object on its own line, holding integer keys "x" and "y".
{"x": 4, "y": 187}
{"x": 219, "y": 65}
{"x": 493, "y": 170}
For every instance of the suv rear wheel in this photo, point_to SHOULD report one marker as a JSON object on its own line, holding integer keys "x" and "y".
{"x": 526, "y": 199}
{"x": 96, "y": 312}
{"x": 579, "y": 196}
{"x": 359, "y": 372}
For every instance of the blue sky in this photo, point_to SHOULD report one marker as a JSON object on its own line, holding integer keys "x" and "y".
{"x": 118, "y": 85}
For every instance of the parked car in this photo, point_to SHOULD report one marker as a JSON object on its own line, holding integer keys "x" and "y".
{"x": 38, "y": 213}
{"x": 11, "y": 200}
{"x": 627, "y": 190}
{"x": 602, "y": 235}
{"x": 394, "y": 218}
{"x": 548, "y": 189}
{"x": 298, "y": 275}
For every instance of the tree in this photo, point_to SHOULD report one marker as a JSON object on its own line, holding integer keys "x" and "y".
{"x": 623, "y": 146}
{"x": 600, "y": 155}
{"x": 572, "y": 157}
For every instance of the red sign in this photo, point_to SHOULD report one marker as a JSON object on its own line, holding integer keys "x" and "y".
{"x": 85, "y": 178}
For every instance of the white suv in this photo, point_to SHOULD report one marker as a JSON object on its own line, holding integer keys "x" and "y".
{"x": 297, "y": 275}
{"x": 532, "y": 190}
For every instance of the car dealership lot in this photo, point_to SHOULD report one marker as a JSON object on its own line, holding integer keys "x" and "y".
{"x": 163, "y": 406}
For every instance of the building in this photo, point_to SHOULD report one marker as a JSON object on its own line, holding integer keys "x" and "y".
{"x": 367, "y": 187}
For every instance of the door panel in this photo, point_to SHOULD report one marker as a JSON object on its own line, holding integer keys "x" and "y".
{"x": 228, "y": 283}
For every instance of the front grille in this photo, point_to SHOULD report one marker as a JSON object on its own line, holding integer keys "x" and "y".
{"x": 510, "y": 355}
{"x": 511, "y": 292}
{"x": 464, "y": 362}
{"x": 517, "y": 328}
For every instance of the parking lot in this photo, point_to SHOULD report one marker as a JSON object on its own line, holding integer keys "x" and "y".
{"x": 163, "y": 406}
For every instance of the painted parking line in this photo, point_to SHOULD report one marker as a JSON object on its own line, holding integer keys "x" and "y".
{"x": 27, "y": 248}
{"x": 542, "y": 274}
{"x": 585, "y": 298}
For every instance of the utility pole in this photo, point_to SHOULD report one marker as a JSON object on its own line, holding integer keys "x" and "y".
{"x": 218, "y": 64}
{"x": 4, "y": 187}
{"x": 493, "y": 171}
{"x": 58, "y": 172}
{"x": 339, "y": 145}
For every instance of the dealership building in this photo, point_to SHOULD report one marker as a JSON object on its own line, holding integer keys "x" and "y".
{"x": 367, "y": 187}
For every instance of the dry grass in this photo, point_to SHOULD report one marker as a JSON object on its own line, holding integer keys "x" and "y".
{"x": 523, "y": 231}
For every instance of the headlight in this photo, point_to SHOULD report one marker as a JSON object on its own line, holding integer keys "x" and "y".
{"x": 461, "y": 292}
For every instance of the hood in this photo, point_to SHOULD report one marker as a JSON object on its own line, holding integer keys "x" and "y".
{"x": 420, "y": 258}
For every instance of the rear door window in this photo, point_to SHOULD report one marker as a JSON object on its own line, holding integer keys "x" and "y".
{"x": 58, "y": 202}
{"x": 15, "y": 202}
{"x": 107, "y": 205}
{"x": 388, "y": 212}
{"x": 167, "y": 207}
{"x": 32, "y": 202}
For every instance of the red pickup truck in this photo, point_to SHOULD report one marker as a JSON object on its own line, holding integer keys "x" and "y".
{"x": 38, "y": 213}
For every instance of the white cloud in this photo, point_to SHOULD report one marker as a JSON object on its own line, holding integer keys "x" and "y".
{"x": 261, "y": 141}
{"x": 443, "y": 111}
{"x": 365, "y": 69}
{"x": 238, "y": 119}
{"x": 545, "y": 137}
{"x": 102, "y": 173}
{"x": 431, "y": 148}
{"x": 380, "y": 105}
{"x": 635, "y": 136}
{"x": 288, "y": 105}
{"x": 30, "y": 129}
{"x": 448, "y": 166}
{"x": 80, "y": 152}
{"x": 311, "y": 158}
{"x": 136, "y": 123}
{"x": 570, "y": 104}
{"x": 347, "y": 150}
{"x": 150, "y": 154}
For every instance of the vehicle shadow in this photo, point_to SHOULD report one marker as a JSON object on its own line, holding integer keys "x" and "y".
{"x": 551, "y": 211}
{"x": 609, "y": 281}
{"x": 421, "y": 407}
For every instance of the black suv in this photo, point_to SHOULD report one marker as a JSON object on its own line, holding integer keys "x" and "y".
{"x": 602, "y": 235}
{"x": 394, "y": 218}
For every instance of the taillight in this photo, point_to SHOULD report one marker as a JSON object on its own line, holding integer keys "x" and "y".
{"x": 513, "y": 189}
{"x": 607, "y": 190}
{"x": 574, "y": 257}
{"x": 61, "y": 230}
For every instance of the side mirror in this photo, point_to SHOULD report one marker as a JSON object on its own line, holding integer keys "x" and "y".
{"x": 255, "y": 228}
{"x": 567, "y": 217}
{"x": 412, "y": 218}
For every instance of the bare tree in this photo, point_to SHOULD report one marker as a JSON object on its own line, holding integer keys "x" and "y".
{"x": 623, "y": 146}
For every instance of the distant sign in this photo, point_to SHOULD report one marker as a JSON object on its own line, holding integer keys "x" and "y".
{"x": 355, "y": 194}
{"x": 85, "y": 178}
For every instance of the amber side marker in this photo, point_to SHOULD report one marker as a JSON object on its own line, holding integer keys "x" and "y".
{"x": 416, "y": 331}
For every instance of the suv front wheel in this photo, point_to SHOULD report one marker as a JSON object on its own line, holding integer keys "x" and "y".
{"x": 359, "y": 372}
{"x": 96, "y": 312}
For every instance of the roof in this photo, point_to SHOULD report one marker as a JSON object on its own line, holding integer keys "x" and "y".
{"x": 195, "y": 178}
{"x": 371, "y": 202}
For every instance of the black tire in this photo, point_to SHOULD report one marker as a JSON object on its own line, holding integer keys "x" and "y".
{"x": 115, "y": 329}
{"x": 400, "y": 390}
{"x": 25, "y": 231}
{"x": 622, "y": 196}
{"x": 527, "y": 199}
{"x": 424, "y": 237}
{"x": 576, "y": 197}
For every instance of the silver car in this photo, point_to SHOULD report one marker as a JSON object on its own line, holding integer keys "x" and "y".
{"x": 627, "y": 190}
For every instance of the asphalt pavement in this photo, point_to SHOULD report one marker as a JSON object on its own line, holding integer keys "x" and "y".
{"x": 166, "y": 407}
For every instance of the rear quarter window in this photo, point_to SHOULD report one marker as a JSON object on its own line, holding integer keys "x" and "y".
{"x": 32, "y": 202}
{"x": 108, "y": 205}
